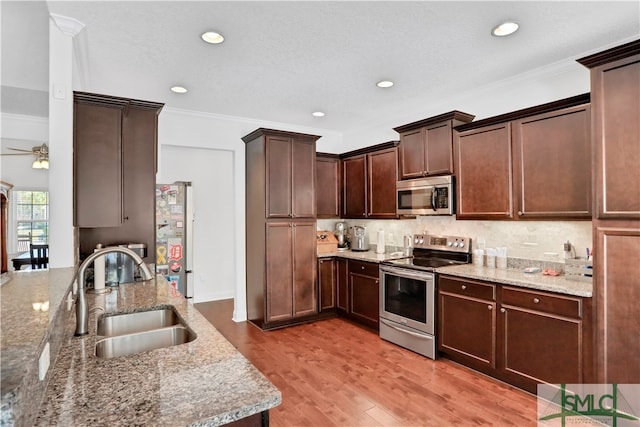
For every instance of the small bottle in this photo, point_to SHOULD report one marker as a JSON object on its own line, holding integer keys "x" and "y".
{"x": 569, "y": 251}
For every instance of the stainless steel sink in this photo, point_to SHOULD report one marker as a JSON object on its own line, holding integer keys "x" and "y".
{"x": 140, "y": 321}
{"x": 125, "y": 345}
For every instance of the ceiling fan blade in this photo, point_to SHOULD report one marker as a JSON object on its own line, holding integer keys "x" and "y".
{"x": 20, "y": 149}
{"x": 15, "y": 154}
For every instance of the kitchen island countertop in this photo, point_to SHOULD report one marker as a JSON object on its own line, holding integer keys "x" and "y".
{"x": 206, "y": 382}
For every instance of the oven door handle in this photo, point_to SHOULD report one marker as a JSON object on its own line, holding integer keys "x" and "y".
{"x": 415, "y": 334}
{"x": 401, "y": 272}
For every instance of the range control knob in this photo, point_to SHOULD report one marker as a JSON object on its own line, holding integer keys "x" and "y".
{"x": 461, "y": 244}
{"x": 449, "y": 243}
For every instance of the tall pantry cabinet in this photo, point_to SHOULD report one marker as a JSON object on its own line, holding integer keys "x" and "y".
{"x": 280, "y": 227}
{"x": 615, "y": 111}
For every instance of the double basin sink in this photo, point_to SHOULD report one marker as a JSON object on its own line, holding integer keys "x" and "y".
{"x": 124, "y": 334}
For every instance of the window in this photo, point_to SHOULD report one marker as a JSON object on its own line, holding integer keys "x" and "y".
{"x": 32, "y": 218}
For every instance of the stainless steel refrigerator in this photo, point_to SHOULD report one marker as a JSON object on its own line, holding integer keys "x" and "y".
{"x": 174, "y": 235}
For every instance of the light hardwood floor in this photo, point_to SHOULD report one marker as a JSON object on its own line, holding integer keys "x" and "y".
{"x": 335, "y": 373}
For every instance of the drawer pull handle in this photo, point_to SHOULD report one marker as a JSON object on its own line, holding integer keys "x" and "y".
{"x": 490, "y": 307}
{"x": 363, "y": 267}
{"x": 464, "y": 287}
{"x": 536, "y": 300}
{"x": 503, "y": 310}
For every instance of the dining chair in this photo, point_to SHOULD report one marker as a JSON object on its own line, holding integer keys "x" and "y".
{"x": 39, "y": 256}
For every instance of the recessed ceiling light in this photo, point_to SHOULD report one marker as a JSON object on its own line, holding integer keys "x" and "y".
{"x": 505, "y": 29}
{"x": 179, "y": 89}
{"x": 384, "y": 83}
{"x": 212, "y": 37}
{"x": 317, "y": 114}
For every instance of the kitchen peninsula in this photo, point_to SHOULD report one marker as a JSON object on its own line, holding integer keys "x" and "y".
{"x": 205, "y": 382}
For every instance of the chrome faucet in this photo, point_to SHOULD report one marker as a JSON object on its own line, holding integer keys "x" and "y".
{"x": 82, "y": 313}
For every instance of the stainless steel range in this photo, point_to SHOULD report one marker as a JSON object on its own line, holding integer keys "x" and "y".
{"x": 408, "y": 291}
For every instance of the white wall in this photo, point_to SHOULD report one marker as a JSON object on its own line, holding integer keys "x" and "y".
{"x": 195, "y": 130}
{"x": 211, "y": 174}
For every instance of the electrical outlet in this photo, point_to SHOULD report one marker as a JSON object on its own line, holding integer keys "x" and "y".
{"x": 43, "y": 362}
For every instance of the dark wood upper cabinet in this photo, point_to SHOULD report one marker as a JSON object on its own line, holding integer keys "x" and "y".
{"x": 97, "y": 161}
{"x": 426, "y": 146}
{"x": 552, "y": 164}
{"x": 615, "y": 90}
{"x": 328, "y": 176}
{"x": 354, "y": 170}
{"x": 290, "y": 177}
{"x": 369, "y": 182}
{"x": 382, "y": 169}
{"x": 115, "y": 164}
{"x": 533, "y": 163}
{"x": 484, "y": 171}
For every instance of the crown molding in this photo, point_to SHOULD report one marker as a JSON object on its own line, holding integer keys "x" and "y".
{"x": 69, "y": 26}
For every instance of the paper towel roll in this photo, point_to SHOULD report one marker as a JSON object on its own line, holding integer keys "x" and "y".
{"x": 98, "y": 271}
{"x": 380, "y": 243}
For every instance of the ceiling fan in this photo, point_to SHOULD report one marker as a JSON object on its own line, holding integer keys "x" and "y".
{"x": 40, "y": 151}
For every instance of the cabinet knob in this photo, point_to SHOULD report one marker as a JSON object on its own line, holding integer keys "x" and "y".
{"x": 490, "y": 307}
{"x": 536, "y": 300}
{"x": 377, "y": 281}
{"x": 503, "y": 310}
{"x": 519, "y": 213}
{"x": 464, "y": 287}
{"x": 363, "y": 267}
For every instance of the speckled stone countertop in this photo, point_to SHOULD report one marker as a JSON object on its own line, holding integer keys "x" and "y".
{"x": 205, "y": 382}
{"x": 517, "y": 277}
{"x": 370, "y": 255}
{"x": 31, "y": 311}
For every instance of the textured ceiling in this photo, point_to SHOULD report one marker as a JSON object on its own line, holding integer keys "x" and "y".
{"x": 283, "y": 60}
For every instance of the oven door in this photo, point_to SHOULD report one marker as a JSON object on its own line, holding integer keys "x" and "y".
{"x": 407, "y": 297}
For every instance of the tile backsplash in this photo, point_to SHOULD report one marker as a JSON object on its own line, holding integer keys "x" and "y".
{"x": 539, "y": 240}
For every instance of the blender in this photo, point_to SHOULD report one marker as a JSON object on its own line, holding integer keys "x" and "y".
{"x": 341, "y": 235}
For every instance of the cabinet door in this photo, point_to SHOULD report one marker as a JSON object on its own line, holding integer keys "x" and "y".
{"x": 483, "y": 171}
{"x": 383, "y": 175}
{"x": 355, "y": 187}
{"x": 537, "y": 347}
{"x": 467, "y": 330}
{"x": 552, "y": 162}
{"x": 279, "y": 276}
{"x": 412, "y": 154}
{"x": 617, "y": 297}
{"x": 303, "y": 201}
{"x": 365, "y": 297}
{"x": 305, "y": 294}
{"x": 327, "y": 287}
{"x": 328, "y": 183}
{"x": 278, "y": 177}
{"x": 615, "y": 89}
{"x": 343, "y": 285}
{"x": 97, "y": 162}
{"x": 439, "y": 149}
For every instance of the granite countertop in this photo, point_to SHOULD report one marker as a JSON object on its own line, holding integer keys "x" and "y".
{"x": 391, "y": 252}
{"x": 31, "y": 308}
{"x": 516, "y": 277}
{"x": 205, "y": 382}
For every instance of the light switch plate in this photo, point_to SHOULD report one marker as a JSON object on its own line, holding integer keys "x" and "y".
{"x": 43, "y": 362}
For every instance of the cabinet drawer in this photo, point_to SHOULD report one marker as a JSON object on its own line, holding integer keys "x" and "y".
{"x": 364, "y": 268}
{"x": 556, "y": 304}
{"x": 467, "y": 288}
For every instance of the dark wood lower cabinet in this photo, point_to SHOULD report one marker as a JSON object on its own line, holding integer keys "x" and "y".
{"x": 522, "y": 337}
{"x": 327, "y": 286}
{"x": 358, "y": 291}
{"x": 261, "y": 419}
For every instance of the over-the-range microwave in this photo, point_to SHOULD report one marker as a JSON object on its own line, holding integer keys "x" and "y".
{"x": 426, "y": 196}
